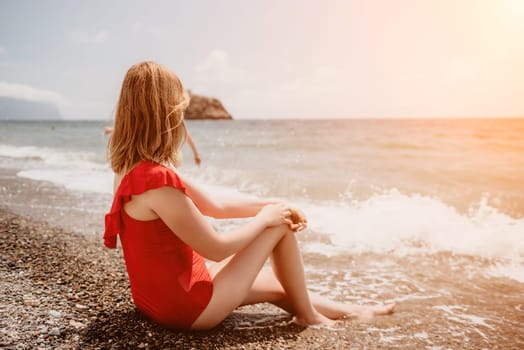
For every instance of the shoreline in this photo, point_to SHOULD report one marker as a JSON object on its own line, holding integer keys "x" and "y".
{"x": 64, "y": 290}
{"x": 61, "y": 288}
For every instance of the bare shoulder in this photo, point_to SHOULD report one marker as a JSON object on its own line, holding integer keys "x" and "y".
{"x": 165, "y": 195}
{"x": 150, "y": 204}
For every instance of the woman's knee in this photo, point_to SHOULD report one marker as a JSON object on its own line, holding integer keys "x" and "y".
{"x": 288, "y": 234}
{"x": 281, "y": 230}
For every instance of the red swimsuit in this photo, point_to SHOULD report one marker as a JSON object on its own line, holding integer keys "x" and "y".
{"x": 169, "y": 281}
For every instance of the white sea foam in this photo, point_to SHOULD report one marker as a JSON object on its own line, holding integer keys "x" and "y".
{"x": 399, "y": 224}
{"x": 391, "y": 222}
{"x": 74, "y": 170}
{"x": 21, "y": 151}
{"x": 403, "y": 224}
{"x": 513, "y": 269}
{"x": 327, "y": 250}
{"x": 456, "y": 314}
{"x": 92, "y": 180}
{"x": 52, "y": 156}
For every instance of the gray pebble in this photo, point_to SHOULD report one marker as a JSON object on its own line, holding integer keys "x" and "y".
{"x": 54, "y": 331}
{"x": 55, "y": 314}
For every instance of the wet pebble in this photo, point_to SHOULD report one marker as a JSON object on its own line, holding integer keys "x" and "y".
{"x": 76, "y": 324}
{"x": 30, "y": 300}
{"x": 55, "y": 314}
{"x": 54, "y": 331}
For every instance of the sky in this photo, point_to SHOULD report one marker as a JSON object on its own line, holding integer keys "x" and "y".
{"x": 274, "y": 59}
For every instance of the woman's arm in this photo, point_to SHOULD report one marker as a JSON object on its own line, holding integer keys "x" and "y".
{"x": 196, "y": 157}
{"x": 230, "y": 208}
{"x": 192, "y": 228}
{"x": 224, "y": 208}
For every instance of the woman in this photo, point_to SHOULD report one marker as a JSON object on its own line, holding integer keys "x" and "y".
{"x": 165, "y": 237}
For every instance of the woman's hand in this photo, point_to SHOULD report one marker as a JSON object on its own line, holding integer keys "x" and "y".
{"x": 299, "y": 220}
{"x": 278, "y": 214}
{"x": 275, "y": 214}
{"x": 197, "y": 160}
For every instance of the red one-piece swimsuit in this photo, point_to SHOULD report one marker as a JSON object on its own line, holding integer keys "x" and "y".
{"x": 169, "y": 280}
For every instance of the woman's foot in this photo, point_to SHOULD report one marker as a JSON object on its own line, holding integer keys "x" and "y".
{"x": 317, "y": 319}
{"x": 368, "y": 312}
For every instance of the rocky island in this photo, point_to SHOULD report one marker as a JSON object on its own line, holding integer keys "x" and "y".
{"x": 202, "y": 107}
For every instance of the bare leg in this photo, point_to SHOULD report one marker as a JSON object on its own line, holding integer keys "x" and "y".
{"x": 291, "y": 276}
{"x": 288, "y": 250}
{"x": 267, "y": 288}
{"x": 232, "y": 283}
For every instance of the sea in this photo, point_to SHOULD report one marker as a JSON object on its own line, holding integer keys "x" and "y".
{"x": 415, "y": 211}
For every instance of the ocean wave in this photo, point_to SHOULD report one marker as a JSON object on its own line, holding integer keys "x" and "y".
{"x": 74, "y": 170}
{"x": 404, "y": 224}
{"x": 54, "y": 156}
{"x": 391, "y": 221}
{"x": 397, "y": 223}
{"x": 25, "y": 152}
{"x": 81, "y": 180}
{"x": 513, "y": 268}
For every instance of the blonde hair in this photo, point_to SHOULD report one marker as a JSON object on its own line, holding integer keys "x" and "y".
{"x": 149, "y": 118}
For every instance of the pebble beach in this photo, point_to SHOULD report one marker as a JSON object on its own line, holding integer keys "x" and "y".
{"x": 62, "y": 290}
{"x": 396, "y": 127}
{"x": 454, "y": 274}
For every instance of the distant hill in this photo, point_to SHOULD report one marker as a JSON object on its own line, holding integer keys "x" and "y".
{"x": 18, "y": 109}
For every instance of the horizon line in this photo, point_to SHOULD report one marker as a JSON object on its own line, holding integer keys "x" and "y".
{"x": 84, "y": 119}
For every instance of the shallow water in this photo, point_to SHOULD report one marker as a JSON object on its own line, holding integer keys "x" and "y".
{"x": 429, "y": 214}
